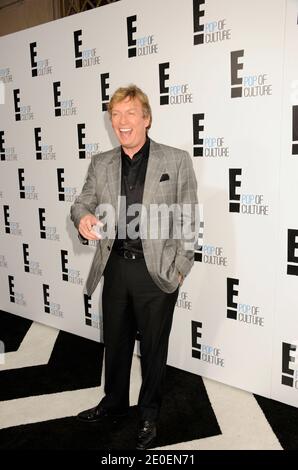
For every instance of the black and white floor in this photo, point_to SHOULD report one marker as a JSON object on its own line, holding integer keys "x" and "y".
{"x": 48, "y": 376}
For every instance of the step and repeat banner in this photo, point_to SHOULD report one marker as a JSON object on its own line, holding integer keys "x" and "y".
{"x": 222, "y": 78}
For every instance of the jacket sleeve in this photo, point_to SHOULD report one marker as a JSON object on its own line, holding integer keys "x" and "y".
{"x": 188, "y": 217}
{"x": 86, "y": 202}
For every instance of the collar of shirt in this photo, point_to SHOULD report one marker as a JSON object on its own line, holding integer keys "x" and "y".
{"x": 142, "y": 153}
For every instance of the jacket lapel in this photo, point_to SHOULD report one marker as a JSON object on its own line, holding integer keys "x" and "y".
{"x": 114, "y": 178}
{"x": 154, "y": 170}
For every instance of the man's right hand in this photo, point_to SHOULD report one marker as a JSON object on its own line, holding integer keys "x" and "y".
{"x": 85, "y": 227}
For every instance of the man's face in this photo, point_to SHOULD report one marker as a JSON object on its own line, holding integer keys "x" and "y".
{"x": 129, "y": 124}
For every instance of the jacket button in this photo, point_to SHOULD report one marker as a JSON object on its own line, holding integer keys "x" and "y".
{"x": 109, "y": 248}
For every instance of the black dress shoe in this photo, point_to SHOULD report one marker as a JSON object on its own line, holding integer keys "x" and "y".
{"x": 146, "y": 434}
{"x": 93, "y": 415}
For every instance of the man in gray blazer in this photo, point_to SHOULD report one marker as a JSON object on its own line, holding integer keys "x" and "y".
{"x": 140, "y": 201}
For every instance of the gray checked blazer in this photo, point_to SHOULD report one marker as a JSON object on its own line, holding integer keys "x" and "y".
{"x": 170, "y": 180}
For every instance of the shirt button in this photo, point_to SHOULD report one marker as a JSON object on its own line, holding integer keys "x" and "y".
{"x": 130, "y": 187}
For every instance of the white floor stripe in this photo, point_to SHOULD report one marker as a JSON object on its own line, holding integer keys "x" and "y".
{"x": 35, "y": 349}
{"x": 240, "y": 419}
{"x": 45, "y": 407}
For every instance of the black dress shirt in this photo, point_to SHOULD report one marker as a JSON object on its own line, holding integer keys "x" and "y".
{"x": 132, "y": 187}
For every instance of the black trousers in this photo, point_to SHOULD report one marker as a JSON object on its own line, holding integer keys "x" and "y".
{"x": 132, "y": 302}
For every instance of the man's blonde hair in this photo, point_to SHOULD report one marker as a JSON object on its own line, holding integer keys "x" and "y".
{"x": 132, "y": 91}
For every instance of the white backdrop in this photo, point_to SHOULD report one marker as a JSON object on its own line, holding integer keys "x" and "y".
{"x": 229, "y": 73}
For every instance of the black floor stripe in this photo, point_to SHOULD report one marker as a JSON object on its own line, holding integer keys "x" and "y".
{"x": 283, "y": 420}
{"x": 186, "y": 415}
{"x": 12, "y": 330}
{"x": 75, "y": 363}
